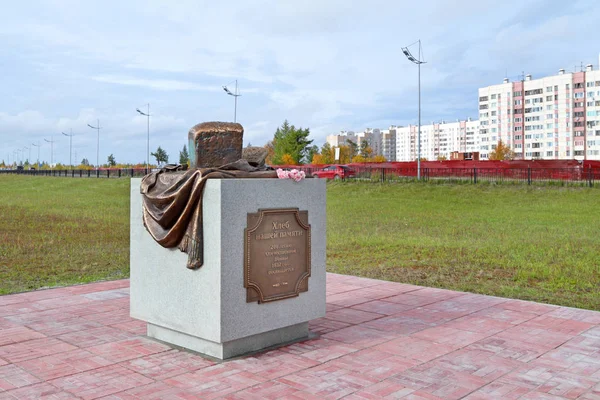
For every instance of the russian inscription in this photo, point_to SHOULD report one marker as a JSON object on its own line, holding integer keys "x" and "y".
{"x": 276, "y": 254}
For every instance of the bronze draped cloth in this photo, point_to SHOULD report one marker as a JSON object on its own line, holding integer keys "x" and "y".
{"x": 172, "y": 204}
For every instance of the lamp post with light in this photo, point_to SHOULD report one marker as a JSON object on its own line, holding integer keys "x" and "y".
{"x": 148, "y": 139}
{"x": 235, "y": 94}
{"x": 417, "y": 61}
{"x": 97, "y": 127}
{"x": 70, "y": 147}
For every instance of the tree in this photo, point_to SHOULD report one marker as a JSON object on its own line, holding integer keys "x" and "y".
{"x": 85, "y": 162}
{"x": 365, "y": 150}
{"x": 501, "y": 152}
{"x": 184, "y": 157}
{"x": 327, "y": 154}
{"x": 311, "y": 151}
{"x": 160, "y": 155}
{"x": 353, "y": 148}
{"x": 288, "y": 160}
{"x": 442, "y": 157}
{"x": 358, "y": 159}
{"x": 317, "y": 159}
{"x": 111, "y": 161}
{"x": 290, "y": 140}
{"x": 270, "y": 152}
{"x": 379, "y": 159}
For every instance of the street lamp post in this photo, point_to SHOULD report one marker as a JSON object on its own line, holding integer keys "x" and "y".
{"x": 29, "y": 159}
{"x": 417, "y": 61}
{"x": 70, "y": 147}
{"x": 38, "y": 157}
{"x": 97, "y": 144}
{"x": 148, "y": 139}
{"x": 235, "y": 94}
{"x": 51, "y": 141}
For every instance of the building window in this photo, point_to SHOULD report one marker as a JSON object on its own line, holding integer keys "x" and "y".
{"x": 518, "y": 128}
{"x": 549, "y": 154}
{"x": 518, "y": 102}
{"x": 548, "y": 89}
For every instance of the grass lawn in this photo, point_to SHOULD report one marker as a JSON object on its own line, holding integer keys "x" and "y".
{"x": 59, "y": 231}
{"x": 534, "y": 243}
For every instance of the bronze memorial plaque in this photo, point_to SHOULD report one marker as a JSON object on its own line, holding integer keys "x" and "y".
{"x": 276, "y": 254}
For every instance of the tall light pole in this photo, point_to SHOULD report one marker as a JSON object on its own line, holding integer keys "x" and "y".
{"x": 97, "y": 144}
{"x": 38, "y": 157}
{"x": 235, "y": 94}
{"x": 148, "y": 140}
{"x": 417, "y": 61}
{"x": 70, "y": 147}
{"x": 29, "y": 159}
{"x": 51, "y": 141}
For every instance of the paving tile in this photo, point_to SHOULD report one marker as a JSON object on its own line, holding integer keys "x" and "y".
{"x": 438, "y": 381}
{"x": 383, "y": 390}
{"x": 266, "y": 390}
{"x": 98, "y": 286}
{"x": 505, "y": 315}
{"x": 107, "y": 294}
{"x": 320, "y": 350}
{"x": 110, "y": 318}
{"x": 414, "y": 348}
{"x": 167, "y": 364}
{"x": 12, "y": 377}
{"x": 560, "y": 325}
{"x": 324, "y": 325}
{"x": 273, "y": 364}
{"x": 512, "y": 349}
{"x": 437, "y": 294}
{"x": 346, "y": 299}
{"x": 33, "y": 349}
{"x": 95, "y": 336}
{"x": 31, "y": 317}
{"x": 360, "y": 336}
{"x": 450, "y": 336}
{"x": 528, "y": 306}
{"x": 5, "y": 324}
{"x": 576, "y": 314}
{"x": 567, "y": 385}
{"x": 351, "y": 316}
{"x": 480, "y": 363}
{"x": 411, "y": 300}
{"x": 101, "y": 382}
{"x": 535, "y": 395}
{"x": 43, "y": 391}
{"x": 216, "y": 381}
{"x": 479, "y": 324}
{"x": 63, "y": 364}
{"x": 128, "y": 349}
{"x": 18, "y": 334}
{"x": 51, "y": 327}
{"x": 401, "y": 324}
{"x": 382, "y": 307}
{"x": 327, "y": 381}
{"x": 134, "y": 326}
{"x": 152, "y": 391}
{"x": 497, "y": 390}
{"x": 535, "y": 335}
{"x": 374, "y": 363}
{"x": 577, "y": 362}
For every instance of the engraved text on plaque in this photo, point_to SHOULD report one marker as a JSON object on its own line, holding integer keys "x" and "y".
{"x": 276, "y": 254}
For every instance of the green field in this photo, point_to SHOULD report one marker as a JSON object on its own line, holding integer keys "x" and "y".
{"x": 536, "y": 243}
{"x": 58, "y": 231}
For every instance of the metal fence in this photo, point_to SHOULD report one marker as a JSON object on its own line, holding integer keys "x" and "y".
{"x": 576, "y": 176}
{"x": 82, "y": 173}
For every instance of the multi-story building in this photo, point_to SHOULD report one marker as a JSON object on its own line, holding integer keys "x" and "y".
{"x": 388, "y": 143}
{"x": 438, "y": 140}
{"x": 341, "y": 139}
{"x": 555, "y": 117}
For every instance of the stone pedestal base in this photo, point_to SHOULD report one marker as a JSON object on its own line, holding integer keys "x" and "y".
{"x": 233, "y": 348}
{"x": 205, "y": 310}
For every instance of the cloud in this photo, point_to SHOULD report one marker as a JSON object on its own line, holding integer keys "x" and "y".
{"x": 158, "y": 84}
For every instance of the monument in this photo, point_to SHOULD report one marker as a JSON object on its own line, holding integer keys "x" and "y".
{"x": 253, "y": 245}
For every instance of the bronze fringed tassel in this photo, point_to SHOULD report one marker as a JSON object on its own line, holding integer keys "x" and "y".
{"x": 194, "y": 249}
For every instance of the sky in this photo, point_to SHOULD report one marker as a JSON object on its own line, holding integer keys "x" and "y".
{"x": 326, "y": 65}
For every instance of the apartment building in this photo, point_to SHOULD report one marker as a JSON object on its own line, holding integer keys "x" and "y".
{"x": 388, "y": 143}
{"x": 438, "y": 140}
{"x": 372, "y": 136}
{"x": 555, "y": 117}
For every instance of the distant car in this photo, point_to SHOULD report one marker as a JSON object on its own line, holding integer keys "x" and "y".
{"x": 335, "y": 172}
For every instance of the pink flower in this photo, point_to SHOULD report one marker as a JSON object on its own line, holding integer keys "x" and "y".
{"x": 293, "y": 174}
{"x": 281, "y": 174}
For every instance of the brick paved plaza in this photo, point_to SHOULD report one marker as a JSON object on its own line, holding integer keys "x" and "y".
{"x": 379, "y": 340}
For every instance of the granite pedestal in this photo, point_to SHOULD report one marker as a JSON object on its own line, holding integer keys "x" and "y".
{"x": 205, "y": 310}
